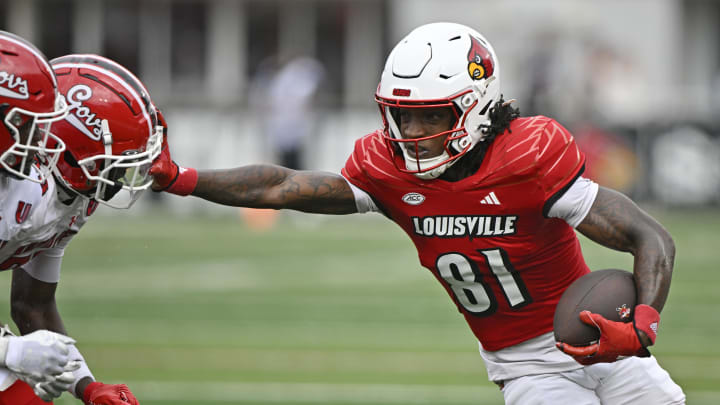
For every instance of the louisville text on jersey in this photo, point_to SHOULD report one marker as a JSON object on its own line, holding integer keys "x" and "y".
{"x": 472, "y": 226}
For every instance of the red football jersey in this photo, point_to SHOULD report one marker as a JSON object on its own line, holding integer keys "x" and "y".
{"x": 20, "y": 393}
{"x": 487, "y": 238}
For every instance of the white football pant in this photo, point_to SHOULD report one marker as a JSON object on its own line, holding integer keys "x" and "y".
{"x": 633, "y": 380}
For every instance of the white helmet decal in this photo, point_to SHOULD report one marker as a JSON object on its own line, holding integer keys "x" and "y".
{"x": 91, "y": 127}
{"x": 13, "y": 86}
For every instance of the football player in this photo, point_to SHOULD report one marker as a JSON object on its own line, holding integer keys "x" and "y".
{"x": 490, "y": 200}
{"x": 29, "y": 104}
{"x": 111, "y": 134}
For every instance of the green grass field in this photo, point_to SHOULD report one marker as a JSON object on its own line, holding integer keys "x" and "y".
{"x": 202, "y": 310}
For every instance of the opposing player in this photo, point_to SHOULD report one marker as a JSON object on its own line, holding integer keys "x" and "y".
{"x": 490, "y": 200}
{"x": 111, "y": 134}
{"x": 29, "y": 104}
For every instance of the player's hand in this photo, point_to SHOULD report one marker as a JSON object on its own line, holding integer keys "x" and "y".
{"x": 167, "y": 175}
{"x": 50, "y": 389}
{"x": 164, "y": 170}
{"x": 162, "y": 122}
{"x": 97, "y": 393}
{"x": 36, "y": 356}
{"x": 616, "y": 338}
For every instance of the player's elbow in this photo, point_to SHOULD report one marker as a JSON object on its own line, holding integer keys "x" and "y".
{"x": 668, "y": 245}
{"x": 658, "y": 241}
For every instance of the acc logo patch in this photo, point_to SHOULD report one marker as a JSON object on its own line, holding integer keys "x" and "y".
{"x": 480, "y": 63}
{"x": 413, "y": 198}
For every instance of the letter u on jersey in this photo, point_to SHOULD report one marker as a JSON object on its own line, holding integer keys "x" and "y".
{"x": 22, "y": 212}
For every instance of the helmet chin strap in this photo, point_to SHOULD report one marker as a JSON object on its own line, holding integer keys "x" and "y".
{"x": 428, "y": 174}
{"x": 107, "y": 138}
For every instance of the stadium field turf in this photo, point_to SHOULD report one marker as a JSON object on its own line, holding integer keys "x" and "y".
{"x": 320, "y": 310}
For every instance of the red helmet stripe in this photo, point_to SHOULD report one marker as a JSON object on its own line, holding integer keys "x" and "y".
{"x": 8, "y": 36}
{"x": 126, "y": 79}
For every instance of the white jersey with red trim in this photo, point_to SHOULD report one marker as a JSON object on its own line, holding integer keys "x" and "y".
{"x": 35, "y": 226}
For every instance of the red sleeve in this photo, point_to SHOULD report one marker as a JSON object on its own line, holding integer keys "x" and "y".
{"x": 560, "y": 162}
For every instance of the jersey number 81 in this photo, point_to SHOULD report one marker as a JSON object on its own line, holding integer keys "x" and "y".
{"x": 470, "y": 288}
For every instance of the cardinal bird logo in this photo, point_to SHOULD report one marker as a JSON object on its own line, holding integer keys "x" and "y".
{"x": 623, "y": 311}
{"x": 480, "y": 63}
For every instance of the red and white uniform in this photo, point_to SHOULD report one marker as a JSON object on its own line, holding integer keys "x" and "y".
{"x": 489, "y": 238}
{"x": 502, "y": 244}
{"x": 35, "y": 228}
{"x": 20, "y": 393}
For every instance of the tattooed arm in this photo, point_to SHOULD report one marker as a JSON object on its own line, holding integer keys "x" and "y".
{"x": 255, "y": 186}
{"x": 616, "y": 222}
{"x": 268, "y": 186}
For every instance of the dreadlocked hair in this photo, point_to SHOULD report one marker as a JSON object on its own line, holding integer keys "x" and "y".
{"x": 501, "y": 115}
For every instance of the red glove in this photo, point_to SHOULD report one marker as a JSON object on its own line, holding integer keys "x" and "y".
{"x": 97, "y": 393}
{"x": 167, "y": 175}
{"x": 616, "y": 338}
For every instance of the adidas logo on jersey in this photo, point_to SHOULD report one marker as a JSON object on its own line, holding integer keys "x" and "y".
{"x": 413, "y": 198}
{"x": 490, "y": 199}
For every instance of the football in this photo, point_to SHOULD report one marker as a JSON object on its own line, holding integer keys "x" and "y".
{"x": 610, "y": 293}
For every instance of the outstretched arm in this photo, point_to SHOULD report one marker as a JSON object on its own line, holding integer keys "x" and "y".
{"x": 255, "y": 186}
{"x": 268, "y": 186}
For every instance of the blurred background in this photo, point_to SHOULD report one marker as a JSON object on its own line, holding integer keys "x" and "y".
{"x": 194, "y": 303}
{"x": 637, "y": 82}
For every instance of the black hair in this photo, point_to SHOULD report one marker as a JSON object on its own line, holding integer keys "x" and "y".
{"x": 501, "y": 115}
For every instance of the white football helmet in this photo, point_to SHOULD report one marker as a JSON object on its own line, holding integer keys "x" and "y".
{"x": 439, "y": 65}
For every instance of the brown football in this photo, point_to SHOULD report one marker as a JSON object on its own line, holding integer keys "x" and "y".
{"x": 610, "y": 293}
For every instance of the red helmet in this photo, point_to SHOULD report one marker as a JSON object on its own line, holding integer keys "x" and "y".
{"x": 111, "y": 131}
{"x": 29, "y": 104}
